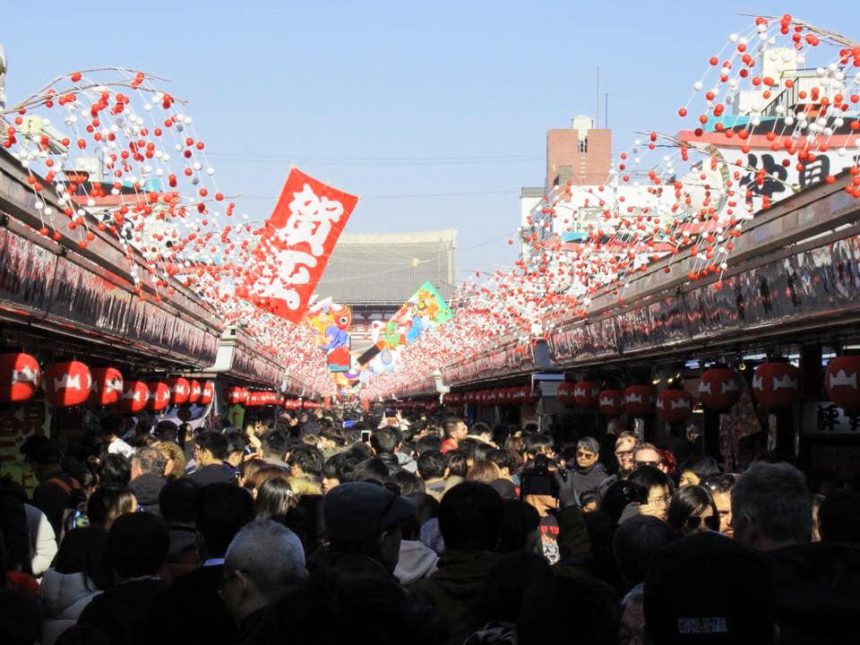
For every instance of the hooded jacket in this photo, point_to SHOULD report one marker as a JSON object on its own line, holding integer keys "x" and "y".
{"x": 64, "y": 596}
{"x": 416, "y": 561}
{"x": 146, "y": 488}
{"x": 454, "y": 588}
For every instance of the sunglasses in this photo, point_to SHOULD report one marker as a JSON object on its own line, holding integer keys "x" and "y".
{"x": 712, "y": 522}
{"x": 585, "y": 455}
{"x": 648, "y": 463}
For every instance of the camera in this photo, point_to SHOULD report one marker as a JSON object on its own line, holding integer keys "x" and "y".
{"x": 539, "y": 477}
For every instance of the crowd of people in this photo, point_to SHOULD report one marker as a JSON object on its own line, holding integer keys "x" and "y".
{"x": 317, "y": 529}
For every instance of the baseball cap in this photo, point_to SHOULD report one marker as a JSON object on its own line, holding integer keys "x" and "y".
{"x": 707, "y": 588}
{"x": 361, "y": 510}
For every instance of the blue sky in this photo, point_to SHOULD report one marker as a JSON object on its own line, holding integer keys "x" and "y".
{"x": 435, "y": 113}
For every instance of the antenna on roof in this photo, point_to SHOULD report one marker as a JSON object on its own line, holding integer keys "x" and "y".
{"x": 597, "y": 98}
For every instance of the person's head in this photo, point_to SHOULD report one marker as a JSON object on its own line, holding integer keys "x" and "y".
{"x": 82, "y": 551}
{"x": 482, "y": 431}
{"x": 483, "y": 471}
{"x": 263, "y": 562}
{"x": 538, "y": 444}
{"x": 370, "y": 470}
{"x": 332, "y": 470}
{"x": 384, "y": 440}
{"x": 222, "y": 510}
{"x": 625, "y": 447}
{"x": 174, "y": 458}
{"x": 258, "y": 476}
{"x": 136, "y": 545}
{"x": 658, "y": 489}
{"x": 455, "y": 428}
{"x": 504, "y": 460}
{"x": 646, "y": 454}
{"x": 587, "y": 452}
{"x": 275, "y": 498}
{"x": 177, "y": 501}
{"x": 365, "y": 518}
{"x": 43, "y": 455}
{"x": 273, "y": 444}
{"x": 114, "y": 471}
{"x": 105, "y": 505}
{"x": 235, "y": 447}
{"x": 407, "y": 483}
{"x": 707, "y": 588}
{"x": 697, "y": 469}
{"x": 247, "y": 470}
{"x": 210, "y": 447}
{"x": 306, "y": 461}
{"x": 692, "y": 510}
{"x": 520, "y": 526}
{"x": 635, "y": 543}
{"x": 147, "y": 461}
{"x": 458, "y": 463}
{"x": 427, "y": 443}
{"x": 501, "y": 595}
{"x": 619, "y": 494}
{"x": 839, "y": 517}
{"x": 720, "y": 488}
{"x": 771, "y": 507}
{"x": 470, "y": 517}
{"x": 432, "y": 464}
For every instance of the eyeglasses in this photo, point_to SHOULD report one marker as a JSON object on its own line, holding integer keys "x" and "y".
{"x": 661, "y": 499}
{"x": 712, "y": 522}
{"x": 623, "y": 453}
{"x": 648, "y": 463}
{"x": 584, "y": 454}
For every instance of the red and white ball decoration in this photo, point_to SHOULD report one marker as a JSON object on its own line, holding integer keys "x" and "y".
{"x": 107, "y": 386}
{"x": 20, "y": 376}
{"x": 67, "y": 384}
{"x": 776, "y": 385}
{"x": 842, "y": 381}
{"x": 675, "y": 406}
{"x": 719, "y": 388}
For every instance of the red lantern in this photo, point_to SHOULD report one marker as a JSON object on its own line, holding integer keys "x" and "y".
{"x": 195, "y": 390}
{"x": 675, "y": 406}
{"x": 159, "y": 396}
{"x": 776, "y": 385}
{"x": 719, "y": 388}
{"x": 235, "y": 395}
{"x": 107, "y": 386}
{"x": 208, "y": 393}
{"x": 610, "y": 402}
{"x": 564, "y": 394}
{"x": 842, "y": 380}
{"x": 639, "y": 400}
{"x": 135, "y": 396}
{"x": 19, "y": 377}
{"x": 67, "y": 384}
{"x": 180, "y": 390}
{"x": 492, "y": 397}
{"x": 586, "y": 394}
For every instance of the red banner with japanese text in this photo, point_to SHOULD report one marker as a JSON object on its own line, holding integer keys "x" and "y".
{"x": 295, "y": 245}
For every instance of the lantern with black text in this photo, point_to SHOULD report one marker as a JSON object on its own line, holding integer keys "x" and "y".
{"x": 135, "y": 396}
{"x": 675, "y": 406}
{"x": 207, "y": 394}
{"x": 19, "y": 377}
{"x": 611, "y": 402}
{"x": 159, "y": 396}
{"x": 719, "y": 388}
{"x": 639, "y": 400}
{"x": 842, "y": 380}
{"x": 776, "y": 385}
{"x": 67, "y": 384}
{"x": 586, "y": 394}
{"x": 194, "y": 391}
{"x": 107, "y": 386}
{"x": 564, "y": 394}
{"x": 180, "y": 390}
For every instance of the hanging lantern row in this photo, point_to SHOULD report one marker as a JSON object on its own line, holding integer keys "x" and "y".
{"x": 71, "y": 383}
{"x": 496, "y": 396}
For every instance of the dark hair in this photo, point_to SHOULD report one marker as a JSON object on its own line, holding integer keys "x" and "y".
{"x": 235, "y": 442}
{"x": 702, "y": 466}
{"x": 361, "y": 450}
{"x": 308, "y": 458}
{"x": 137, "y": 545}
{"x": 649, "y": 476}
{"x": 222, "y": 509}
{"x": 432, "y": 464}
{"x": 686, "y": 503}
{"x": 370, "y": 470}
{"x": 214, "y": 442}
{"x": 501, "y": 595}
{"x": 457, "y": 464}
{"x": 479, "y": 428}
{"x": 427, "y": 443}
{"x": 502, "y": 458}
{"x": 520, "y": 520}
{"x": 839, "y": 517}
{"x": 720, "y": 483}
{"x": 468, "y": 446}
{"x": 408, "y": 483}
{"x": 112, "y": 426}
{"x": 114, "y": 471}
{"x": 166, "y": 431}
{"x": 451, "y": 424}
{"x": 470, "y": 517}
{"x": 535, "y": 443}
{"x": 274, "y": 444}
{"x": 634, "y": 544}
{"x": 106, "y": 505}
{"x": 275, "y": 498}
{"x": 619, "y": 495}
{"x": 427, "y": 507}
{"x": 178, "y": 500}
{"x": 82, "y": 551}
{"x": 384, "y": 440}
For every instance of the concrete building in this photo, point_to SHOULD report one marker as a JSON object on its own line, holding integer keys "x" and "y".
{"x": 579, "y": 154}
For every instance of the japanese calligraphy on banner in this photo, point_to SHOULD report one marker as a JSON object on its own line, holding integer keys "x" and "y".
{"x": 295, "y": 245}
